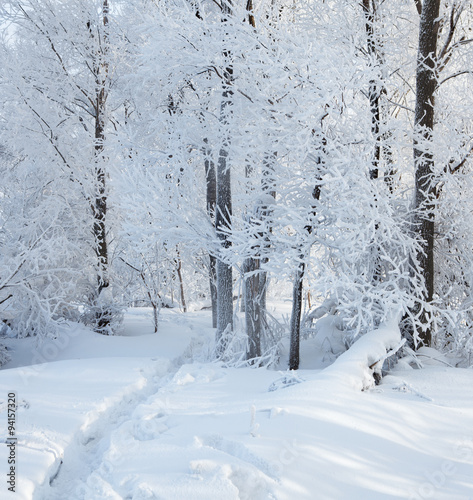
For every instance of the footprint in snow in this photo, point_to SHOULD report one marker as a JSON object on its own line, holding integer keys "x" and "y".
{"x": 149, "y": 427}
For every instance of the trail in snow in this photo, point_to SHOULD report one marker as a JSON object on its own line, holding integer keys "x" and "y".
{"x": 70, "y": 404}
{"x": 216, "y": 433}
{"x": 92, "y": 455}
{"x": 194, "y": 458}
{"x": 136, "y": 427}
{"x": 86, "y": 452}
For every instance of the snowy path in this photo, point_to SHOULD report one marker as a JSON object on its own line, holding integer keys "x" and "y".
{"x": 173, "y": 444}
{"x": 68, "y": 406}
{"x": 213, "y": 433}
{"x": 64, "y": 403}
{"x": 91, "y": 447}
{"x": 134, "y": 427}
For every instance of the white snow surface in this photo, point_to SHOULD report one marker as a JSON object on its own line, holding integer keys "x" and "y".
{"x": 141, "y": 416}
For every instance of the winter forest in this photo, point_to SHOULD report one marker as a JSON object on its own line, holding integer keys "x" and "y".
{"x": 164, "y": 153}
{"x": 225, "y": 157}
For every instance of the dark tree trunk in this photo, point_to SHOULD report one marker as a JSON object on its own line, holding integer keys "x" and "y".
{"x": 211, "y": 182}
{"x": 253, "y": 308}
{"x": 426, "y": 84}
{"x": 181, "y": 282}
{"x": 99, "y": 209}
{"x": 295, "y": 325}
{"x": 213, "y": 288}
{"x": 256, "y": 280}
{"x": 299, "y": 279}
{"x": 99, "y": 206}
{"x": 223, "y": 220}
{"x": 369, "y": 7}
{"x": 390, "y": 172}
{"x": 224, "y": 207}
{"x": 251, "y": 17}
{"x": 255, "y": 284}
{"x": 376, "y": 89}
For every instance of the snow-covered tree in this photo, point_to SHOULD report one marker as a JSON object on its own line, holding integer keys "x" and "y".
{"x": 59, "y": 69}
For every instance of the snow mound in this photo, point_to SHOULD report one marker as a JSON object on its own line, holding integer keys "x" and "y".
{"x": 356, "y": 366}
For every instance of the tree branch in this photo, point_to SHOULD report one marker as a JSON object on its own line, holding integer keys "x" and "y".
{"x": 418, "y": 6}
{"x": 459, "y": 165}
{"x": 466, "y": 72}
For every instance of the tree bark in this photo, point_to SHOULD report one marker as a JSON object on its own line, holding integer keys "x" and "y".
{"x": 426, "y": 84}
{"x": 375, "y": 93}
{"x": 211, "y": 184}
{"x": 257, "y": 281}
{"x": 253, "y": 308}
{"x": 181, "y": 281}
{"x": 224, "y": 207}
{"x": 268, "y": 188}
{"x": 374, "y": 89}
{"x": 99, "y": 206}
{"x": 295, "y": 325}
{"x": 223, "y": 215}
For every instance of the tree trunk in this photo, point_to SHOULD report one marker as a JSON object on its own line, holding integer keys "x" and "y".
{"x": 252, "y": 308}
{"x": 295, "y": 325}
{"x": 99, "y": 206}
{"x": 426, "y": 84}
{"x": 181, "y": 282}
{"x": 298, "y": 284}
{"x": 211, "y": 182}
{"x": 224, "y": 208}
{"x": 155, "y": 315}
{"x": 374, "y": 89}
{"x": 268, "y": 188}
{"x": 213, "y": 288}
{"x": 255, "y": 285}
{"x": 224, "y": 270}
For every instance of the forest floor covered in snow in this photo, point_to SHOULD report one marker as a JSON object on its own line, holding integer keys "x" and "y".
{"x": 144, "y": 416}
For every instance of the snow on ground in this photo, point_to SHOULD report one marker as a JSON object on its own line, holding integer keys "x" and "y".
{"x": 133, "y": 417}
